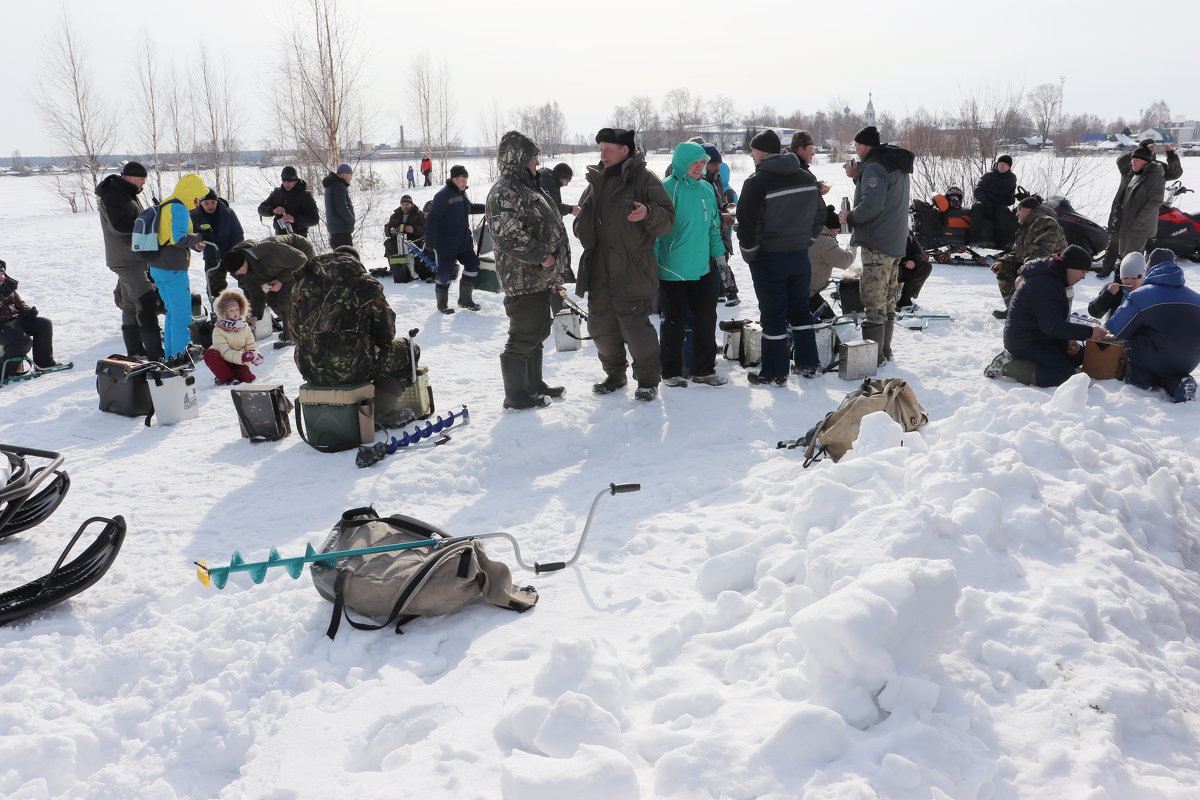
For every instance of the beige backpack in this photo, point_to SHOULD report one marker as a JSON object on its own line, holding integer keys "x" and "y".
{"x": 835, "y": 435}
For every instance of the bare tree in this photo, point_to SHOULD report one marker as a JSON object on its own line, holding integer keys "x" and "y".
{"x": 218, "y": 121}
{"x": 492, "y": 126}
{"x": 420, "y": 92}
{"x": 1156, "y": 115}
{"x": 75, "y": 115}
{"x": 318, "y": 84}
{"x": 554, "y": 125}
{"x": 146, "y": 69}
{"x": 1045, "y": 105}
{"x": 445, "y": 124}
{"x": 641, "y": 117}
{"x": 723, "y": 115}
{"x": 178, "y": 116}
{"x": 681, "y": 113}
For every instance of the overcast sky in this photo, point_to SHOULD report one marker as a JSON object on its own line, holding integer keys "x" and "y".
{"x": 1116, "y": 57}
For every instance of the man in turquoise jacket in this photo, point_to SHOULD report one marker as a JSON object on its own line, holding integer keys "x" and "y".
{"x": 686, "y": 283}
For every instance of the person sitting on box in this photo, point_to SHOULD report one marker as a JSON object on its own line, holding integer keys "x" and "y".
{"x": 21, "y": 328}
{"x": 1160, "y": 321}
{"x": 233, "y": 349}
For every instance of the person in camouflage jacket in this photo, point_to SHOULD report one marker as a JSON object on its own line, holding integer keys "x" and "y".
{"x": 532, "y": 259}
{"x": 345, "y": 331}
{"x": 1038, "y": 237}
{"x": 275, "y": 263}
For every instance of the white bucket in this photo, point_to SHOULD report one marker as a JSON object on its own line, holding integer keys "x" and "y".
{"x": 265, "y": 325}
{"x": 566, "y": 331}
{"x": 173, "y": 396}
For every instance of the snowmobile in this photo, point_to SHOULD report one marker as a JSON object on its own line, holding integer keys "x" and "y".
{"x": 1077, "y": 228}
{"x": 943, "y": 229}
{"x": 1178, "y": 231}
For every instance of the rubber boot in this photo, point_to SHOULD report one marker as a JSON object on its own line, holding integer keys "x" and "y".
{"x": 888, "y": 328}
{"x": 1020, "y": 370}
{"x": 537, "y": 386}
{"x": 464, "y": 296}
{"x": 877, "y": 334}
{"x": 442, "y": 293}
{"x": 516, "y": 384}
{"x": 132, "y": 335}
{"x": 148, "y": 326}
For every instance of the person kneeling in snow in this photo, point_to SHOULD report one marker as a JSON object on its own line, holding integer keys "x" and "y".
{"x": 232, "y": 350}
{"x": 21, "y": 327}
{"x": 1161, "y": 322}
{"x": 1040, "y": 345}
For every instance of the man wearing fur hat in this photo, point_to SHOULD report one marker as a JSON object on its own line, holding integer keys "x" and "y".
{"x": 623, "y": 210}
{"x": 532, "y": 256}
{"x": 880, "y": 223}
{"x": 1038, "y": 235}
{"x": 290, "y": 205}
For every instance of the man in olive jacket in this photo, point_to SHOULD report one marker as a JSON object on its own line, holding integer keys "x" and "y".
{"x": 267, "y": 271}
{"x": 135, "y": 294}
{"x": 532, "y": 253}
{"x": 1116, "y": 215}
{"x": 622, "y": 211}
{"x": 1141, "y": 199}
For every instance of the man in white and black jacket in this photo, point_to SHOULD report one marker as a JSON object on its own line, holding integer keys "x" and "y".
{"x": 779, "y": 214}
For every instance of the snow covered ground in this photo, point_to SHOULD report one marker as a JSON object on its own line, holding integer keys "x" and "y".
{"x": 1003, "y": 605}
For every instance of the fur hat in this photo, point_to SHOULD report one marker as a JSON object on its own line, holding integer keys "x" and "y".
{"x": 1006, "y": 159}
{"x": 767, "y": 142}
{"x": 1075, "y": 257}
{"x": 231, "y": 297}
{"x": 868, "y": 136}
{"x": 289, "y": 174}
{"x": 800, "y": 139}
{"x": 1133, "y": 265}
{"x": 1030, "y": 202}
{"x": 1160, "y": 255}
{"x": 459, "y": 171}
{"x": 1143, "y": 153}
{"x": 616, "y": 136}
{"x": 134, "y": 169}
{"x": 563, "y": 172}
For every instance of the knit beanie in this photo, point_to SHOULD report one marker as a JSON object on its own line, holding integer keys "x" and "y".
{"x": 714, "y": 155}
{"x": 344, "y": 169}
{"x": 563, "y": 172}
{"x": 134, "y": 169}
{"x": 832, "y": 220}
{"x": 868, "y": 136}
{"x": 212, "y": 195}
{"x": 1133, "y": 265}
{"x": 458, "y": 171}
{"x": 1030, "y": 202}
{"x": 1147, "y": 142}
{"x": 1143, "y": 153}
{"x": 1005, "y": 159}
{"x": 289, "y": 174}
{"x": 1075, "y": 257}
{"x": 767, "y": 141}
{"x": 1161, "y": 255}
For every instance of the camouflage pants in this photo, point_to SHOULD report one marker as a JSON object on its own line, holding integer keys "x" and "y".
{"x": 879, "y": 285}
{"x": 1006, "y": 278}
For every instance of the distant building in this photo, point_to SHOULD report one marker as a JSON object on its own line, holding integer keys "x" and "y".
{"x": 869, "y": 114}
{"x": 1160, "y": 135}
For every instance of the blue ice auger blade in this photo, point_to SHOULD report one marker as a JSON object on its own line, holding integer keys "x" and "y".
{"x": 309, "y": 552}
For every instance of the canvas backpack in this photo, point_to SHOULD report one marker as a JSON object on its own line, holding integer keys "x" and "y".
{"x": 835, "y": 434}
{"x": 397, "y": 586}
{"x": 145, "y": 232}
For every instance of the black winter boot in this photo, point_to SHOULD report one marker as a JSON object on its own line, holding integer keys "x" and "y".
{"x": 888, "y": 328}
{"x": 442, "y": 293}
{"x": 516, "y": 384}
{"x": 132, "y": 336}
{"x": 537, "y": 386}
{"x": 464, "y": 296}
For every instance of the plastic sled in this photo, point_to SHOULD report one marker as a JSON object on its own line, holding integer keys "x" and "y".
{"x": 22, "y": 506}
{"x": 69, "y": 579}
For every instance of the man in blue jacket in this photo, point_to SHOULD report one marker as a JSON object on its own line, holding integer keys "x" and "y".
{"x": 1041, "y": 346}
{"x": 217, "y": 223}
{"x": 1160, "y": 322}
{"x": 779, "y": 216}
{"x": 448, "y": 233}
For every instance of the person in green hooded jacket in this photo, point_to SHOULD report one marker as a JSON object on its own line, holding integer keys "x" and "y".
{"x": 687, "y": 284}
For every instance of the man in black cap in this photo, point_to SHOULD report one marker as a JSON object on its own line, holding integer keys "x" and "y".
{"x": 805, "y": 148}
{"x": 779, "y": 215}
{"x": 880, "y": 229}
{"x": 992, "y": 223}
{"x": 448, "y": 233}
{"x": 622, "y": 211}
{"x": 135, "y": 294}
{"x": 1140, "y": 200}
{"x": 291, "y": 204}
{"x": 406, "y": 219}
{"x": 1041, "y": 347}
{"x": 552, "y": 182}
{"x": 1038, "y": 236}
{"x": 219, "y": 224}
{"x": 1170, "y": 171}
